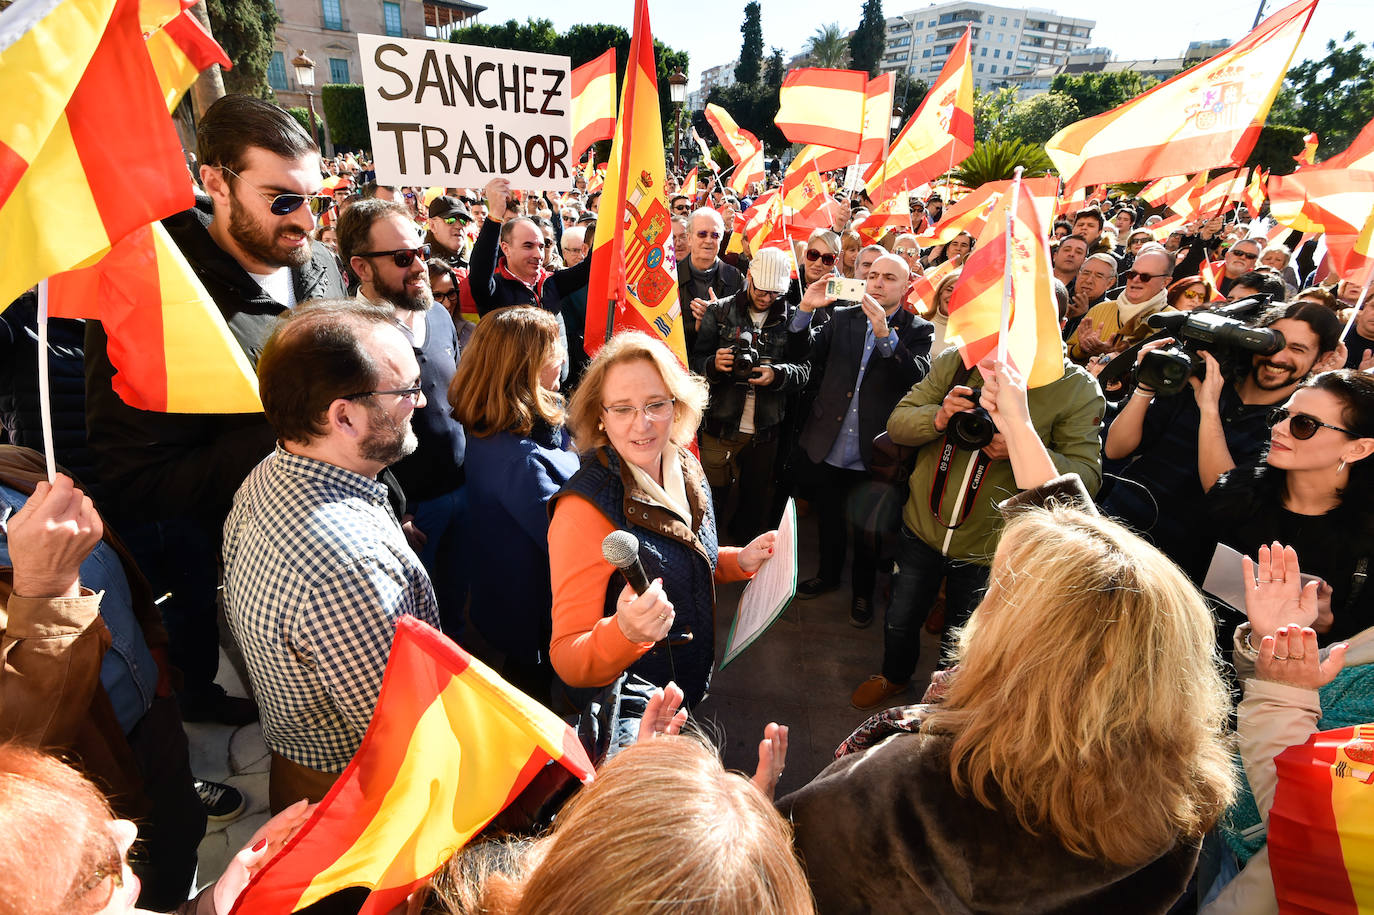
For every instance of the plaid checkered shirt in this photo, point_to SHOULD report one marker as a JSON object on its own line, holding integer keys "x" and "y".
{"x": 316, "y": 573}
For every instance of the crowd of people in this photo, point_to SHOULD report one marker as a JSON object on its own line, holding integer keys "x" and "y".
{"x": 436, "y": 441}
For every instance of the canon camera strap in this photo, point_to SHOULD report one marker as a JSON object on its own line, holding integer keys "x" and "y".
{"x": 936, "y": 499}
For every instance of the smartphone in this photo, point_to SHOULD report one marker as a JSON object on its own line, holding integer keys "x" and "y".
{"x": 845, "y": 289}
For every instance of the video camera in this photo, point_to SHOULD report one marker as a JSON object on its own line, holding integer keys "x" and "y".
{"x": 746, "y": 356}
{"x": 1223, "y": 332}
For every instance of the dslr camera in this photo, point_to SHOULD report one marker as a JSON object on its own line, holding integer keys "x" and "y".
{"x": 1222, "y": 332}
{"x": 746, "y": 355}
{"x": 971, "y": 430}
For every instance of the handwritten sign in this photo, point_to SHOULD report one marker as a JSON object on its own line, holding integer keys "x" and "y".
{"x": 457, "y": 116}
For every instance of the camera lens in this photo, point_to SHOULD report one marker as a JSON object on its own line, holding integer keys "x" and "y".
{"x": 972, "y": 430}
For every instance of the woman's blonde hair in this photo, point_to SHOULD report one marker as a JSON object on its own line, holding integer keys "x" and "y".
{"x": 496, "y": 388}
{"x": 1088, "y": 697}
{"x": 688, "y": 389}
{"x": 946, "y": 281}
{"x": 664, "y": 828}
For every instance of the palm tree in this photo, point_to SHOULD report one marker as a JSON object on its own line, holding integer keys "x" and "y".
{"x": 829, "y": 47}
{"x": 996, "y": 160}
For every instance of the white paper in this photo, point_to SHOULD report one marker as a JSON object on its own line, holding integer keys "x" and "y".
{"x": 769, "y": 592}
{"x": 457, "y": 116}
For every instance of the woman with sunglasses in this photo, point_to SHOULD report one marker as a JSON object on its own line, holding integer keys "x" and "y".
{"x": 1189, "y": 293}
{"x": 633, "y": 416}
{"x": 1312, "y": 490}
{"x": 819, "y": 257}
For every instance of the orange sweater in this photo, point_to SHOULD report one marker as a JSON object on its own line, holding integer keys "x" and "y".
{"x": 589, "y": 649}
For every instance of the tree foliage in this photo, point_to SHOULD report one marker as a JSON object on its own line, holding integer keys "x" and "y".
{"x": 345, "y": 111}
{"x": 1275, "y": 148}
{"x": 751, "y": 48}
{"x": 774, "y": 70}
{"x": 1095, "y": 93}
{"x": 1333, "y": 96}
{"x": 829, "y": 47}
{"x": 907, "y": 94}
{"x": 990, "y": 109}
{"x": 996, "y": 160}
{"x": 246, "y": 30}
{"x": 866, "y": 44}
{"x": 1038, "y": 118}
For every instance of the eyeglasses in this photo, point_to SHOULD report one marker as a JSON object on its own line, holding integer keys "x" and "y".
{"x": 403, "y": 257}
{"x": 908, "y": 252}
{"x": 705, "y": 234}
{"x": 1301, "y": 426}
{"x": 813, "y": 255}
{"x": 1250, "y": 256}
{"x": 683, "y": 208}
{"x": 450, "y": 220}
{"x": 1194, "y": 294}
{"x": 450, "y": 296}
{"x": 412, "y": 394}
{"x": 655, "y": 412}
{"x": 285, "y": 204}
{"x": 1140, "y": 275}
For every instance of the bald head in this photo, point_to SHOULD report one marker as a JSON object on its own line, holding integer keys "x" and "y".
{"x": 887, "y": 281}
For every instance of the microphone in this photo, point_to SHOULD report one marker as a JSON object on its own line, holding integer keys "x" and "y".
{"x": 621, "y": 549}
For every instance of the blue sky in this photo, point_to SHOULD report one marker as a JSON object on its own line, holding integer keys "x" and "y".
{"x": 709, "y": 29}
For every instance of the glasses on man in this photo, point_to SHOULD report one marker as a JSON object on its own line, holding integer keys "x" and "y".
{"x": 1248, "y": 255}
{"x": 655, "y": 412}
{"x": 403, "y": 257}
{"x": 705, "y": 234}
{"x": 683, "y": 208}
{"x": 907, "y": 252}
{"x": 411, "y": 394}
{"x": 1140, "y": 275}
{"x": 286, "y": 204}
{"x": 450, "y": 220}
{"x": 813, "y": 255}
{"x": 1302, "y": 426}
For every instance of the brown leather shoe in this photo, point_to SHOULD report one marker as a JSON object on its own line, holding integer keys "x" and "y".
{"x": 875, "y": 692}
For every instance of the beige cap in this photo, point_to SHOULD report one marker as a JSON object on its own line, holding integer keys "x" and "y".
{"x": 770, "y": 270}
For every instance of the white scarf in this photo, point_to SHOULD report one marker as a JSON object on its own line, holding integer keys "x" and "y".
{"x": 672, "y": 495}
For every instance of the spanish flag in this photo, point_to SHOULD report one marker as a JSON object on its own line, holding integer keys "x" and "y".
{"x": 1308, "y": 156}
{"x": 1004, "y": 301}
{"x": 450, "y": 745}
{"x": 87, "y": 151}
{"x": 877, "y": 118}
{"x": 1254, "y": 192}
{"x": 805, "y": 194}
{"x": 633, "y": 282}
{"x": 892, "y": 213}
{"x": 1353, "y": 259}
{"x": 1222, "y": 193}
{"x": 920, "y": 298}
{"x": 761, "y": 224}
{"x": 689, "y": 187}
{"x": 817, "y": 105}
{"x": 1321, "y": 827}
{"x": 593, "y": 103}
{"x": 1162, "y": 191}
{"x": 938, "y": 137}
{"x": 744, "y": 148}
{"x": 1188, "y": 198}
{"x": 970, "y": 212}
{"x": 1333, "y": 201}
{"x": 1206, "y": 117}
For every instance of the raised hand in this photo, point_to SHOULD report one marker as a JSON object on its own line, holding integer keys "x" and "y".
{"x": 772, "y": 759}
{"x": 49, "y": 538}
{"x": 1290, "y": 656}
{"x": 1274, "y": 593}
{"x": 663, "y": 714}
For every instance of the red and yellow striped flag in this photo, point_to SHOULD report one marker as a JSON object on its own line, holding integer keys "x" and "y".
{"x": 1254, "y": 192}
{"x": 892, "y": 213}
{"x": 923, "y": 286}
{"x": 1308, "y": 156}
{"x": 877, "y": 118}
{"x": 593, "y": 103}
{"x": 1334, "y": 201}
{"x": 1189, "y": 196}
{"x": 450, "y": 745}
{"x": 1212, "y": 272}
{"x": 1221, "y": 193}
{"x": 761, "y": 224}
{"x": 818, "y": 105}
{"x": 970, "y": 212}
{"x": 633, "y": 282}
{"x": 989, "y": 314}
{"x": 689, "y": 186}
{"x": 744, "y": 148}
{"x": 77, "y": 75}
{"x": 805, "y": 194}
{"x": 1321, "y": 827}
{"x": 938, "y": 137}
{"x": 1164, "y": 191}
{"x": 1206, "y": 117}
{"x": 1353, "y": 258}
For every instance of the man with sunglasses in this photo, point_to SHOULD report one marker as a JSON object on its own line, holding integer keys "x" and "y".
{"x": 447, "y": 235}
{"x": 166, "y": 480}
{"x": 1111, "y": 326}
{"x": 381, "y": 245}
{"x": 1177, "y": 447}
{"x": 316, "y": 570}
{"x": 702, "y": 277}
{"x": 1240, "y": 259}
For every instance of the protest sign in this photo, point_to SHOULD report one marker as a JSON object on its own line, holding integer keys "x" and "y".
{"x": 457, "y": 116}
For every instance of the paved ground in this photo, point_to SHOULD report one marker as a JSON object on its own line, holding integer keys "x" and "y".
{"x": 800, "y": 673}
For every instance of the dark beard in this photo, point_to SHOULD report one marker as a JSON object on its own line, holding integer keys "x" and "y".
{"x": 399, "y": 298}
{"x": 255, "y": 240}
{"x": 389, "y": 443}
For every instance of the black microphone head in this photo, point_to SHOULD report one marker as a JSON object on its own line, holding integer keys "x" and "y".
{"x": 620, "y": 549}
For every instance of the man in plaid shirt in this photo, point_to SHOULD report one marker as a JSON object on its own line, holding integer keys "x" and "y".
{"x": 317, "y": 570}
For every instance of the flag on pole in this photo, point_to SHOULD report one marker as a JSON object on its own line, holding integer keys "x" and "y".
{"x": 1206, "y": 117}
{"x": 1254, "y": 192}
{"x": 1213, "y": 272}
{"x": 705, "y": 152}
{"x": 72, "y": 72}
{"x": 924, "y": 285}
{"x": 450, "y": 745}
{"x": 938, "y": 137}
{"x": 1321, "y": 826}
{"x": 892, "y": 213}
{"x": 1308, "y": 156}
{"x": 970, "y": 212}
{"x": 1166, "y": 227}
{"x": 805, "y": 193}
{"x": 1164, "y": 191}
{"x": 1353, "y": 258}
{"x": 744, "y": 148}
{"x": 826, "y": 159}
{"x": 593, "y": 103}
{"x": 761, "y": 224}
{"x": 817, "y": 105}
{"x": 1319, "y": 199}
{"x": 689, "y": 186}
{"x": 1189, "y": 197}
{"x": 633, "y": 283}
{"x": 1222, "y": 193}
{"x": 877, "y": 118}
{"x": 1004, "y": 301}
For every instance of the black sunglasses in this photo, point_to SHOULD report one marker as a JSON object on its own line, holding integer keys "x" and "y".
{"x": 1301, "y": 426}
{"x": 1245, "y": 254}
{"x": 285, "y": 204}
{"x": 1140, "y": 275}
{"x": 403, "y": 257}
{"x": 813, "y": 255}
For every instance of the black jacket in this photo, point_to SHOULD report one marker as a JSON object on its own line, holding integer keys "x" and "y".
{"x": 837, "y": 349}
{"x": 727, "y": 281}
{"x": 785, "y": 352}
{"x": 157, "y": 466}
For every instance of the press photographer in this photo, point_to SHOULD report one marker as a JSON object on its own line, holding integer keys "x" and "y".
{"x": 1170, "y": 449}
{"x": 752, "y": 362}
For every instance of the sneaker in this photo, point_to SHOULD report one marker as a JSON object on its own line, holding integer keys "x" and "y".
{"x": 222, "y": 802}
{"x": 815, "y": 587}
{"x": 860, "y": 613}
{"x": 875, "y": 691}
{"x": 218, "y": 707}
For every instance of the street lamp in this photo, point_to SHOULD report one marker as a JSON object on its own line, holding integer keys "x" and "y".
{"x": 305, "y": 77}
{"x": 677, "y": 91}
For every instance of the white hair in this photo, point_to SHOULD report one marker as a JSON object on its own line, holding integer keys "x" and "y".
{"x": 707, "y": 213}
{"x": 576, "y": 235}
